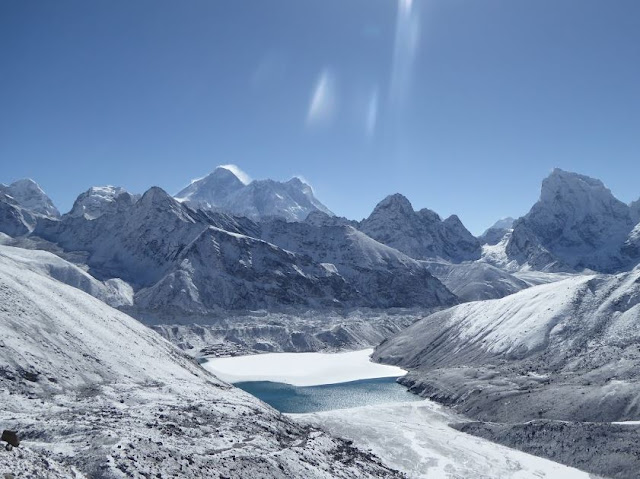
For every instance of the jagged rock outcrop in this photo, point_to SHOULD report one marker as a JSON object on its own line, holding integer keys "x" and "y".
{"x": 576, "y": 224}
{"x": 420, "y": 234}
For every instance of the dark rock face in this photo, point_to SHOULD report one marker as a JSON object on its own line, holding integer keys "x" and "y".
{"x": 14, "y": 221}
{"x": 10, "y": 437}
{"x": 420, "y": 234}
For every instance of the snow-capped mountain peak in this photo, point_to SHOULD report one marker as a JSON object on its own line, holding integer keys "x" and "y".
{"x": 28, "y": 194}
{"x": 230, "y": 190}
{"x": 562, "y": 187}
{"x": 420, "y": 234}
{"x": 213, "y": 189}
{"x": 577, "y": 220}
{"x": 393, "y": 205}
{"x": 97, "y": 200}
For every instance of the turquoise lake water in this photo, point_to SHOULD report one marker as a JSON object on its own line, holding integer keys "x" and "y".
{"x": 293, "y": 399}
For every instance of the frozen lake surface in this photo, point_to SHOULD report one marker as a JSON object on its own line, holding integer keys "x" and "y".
{"x": 302, "y": 369}
{"x": 311, "y": 382}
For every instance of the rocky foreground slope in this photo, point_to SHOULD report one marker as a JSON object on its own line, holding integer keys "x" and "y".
{"x": 94, "y": 393}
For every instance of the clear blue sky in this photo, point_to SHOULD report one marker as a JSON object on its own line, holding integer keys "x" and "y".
{"x": 464, "y": 106}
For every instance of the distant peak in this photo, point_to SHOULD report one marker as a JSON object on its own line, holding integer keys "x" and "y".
{"x": 560, "y": 174}
{"x": 155, "y": 194}
{"x": 236, "y": 171}
{"x": 298, "y": 180}
{"x": 396, "y": 200}
{"x": 562, "y": 183}
{"x": 32, "y": 197}
{"x": 106, "y": 190}
{"x": 503, "y": 224}
{"x": 26, "y": 183}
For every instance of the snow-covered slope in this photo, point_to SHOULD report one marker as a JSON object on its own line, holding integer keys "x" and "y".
{"x": 98, "y": 200}
{"x": 420, "y": 234}
{"x": 495, "y": 233}
{"x": 114, "y": 292}
{"x": 226, "y": 270}
{"x": 382, "y": 275}
{"x": 578, "y": 336}
{"x": 635, "y": 211}
{"x": 223, "y": 190}
{"x": 31, "y": 197}
{"x": 475, "y": 280}
{"x": 577, "y": 223}
{"x": 88, "y": 386}
{"x": 14, "y": 220}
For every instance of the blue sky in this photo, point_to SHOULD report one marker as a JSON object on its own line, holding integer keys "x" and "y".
{"x": 464, "y": 106}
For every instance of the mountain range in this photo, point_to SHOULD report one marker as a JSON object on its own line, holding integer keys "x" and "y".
{"x": 227, "y": 243}
{"x": 530, "y": 330}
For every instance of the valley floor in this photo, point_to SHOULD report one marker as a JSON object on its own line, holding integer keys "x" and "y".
{"x": 416, "y": 439}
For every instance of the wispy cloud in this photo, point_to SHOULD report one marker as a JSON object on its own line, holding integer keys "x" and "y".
{"x": 323, "y": 102}
{"x": 372, "y": 113}
{"x": 405, "y": 46}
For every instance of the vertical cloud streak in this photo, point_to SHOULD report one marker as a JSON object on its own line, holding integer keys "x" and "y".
{"x": 323, "y": 101}
{"x": 372, "y": 113}
{"x": 405, "y": 46}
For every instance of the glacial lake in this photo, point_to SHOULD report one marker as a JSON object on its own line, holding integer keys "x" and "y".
{"x": 311, "y": 382}
{"x": 291, "y": 399}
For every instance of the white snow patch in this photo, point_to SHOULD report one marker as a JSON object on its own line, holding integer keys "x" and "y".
{"x": 302, "y": 369}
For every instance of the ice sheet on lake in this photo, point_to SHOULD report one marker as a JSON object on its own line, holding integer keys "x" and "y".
{"x": 416, "y": 439}
{"x": 302, "y": 369}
